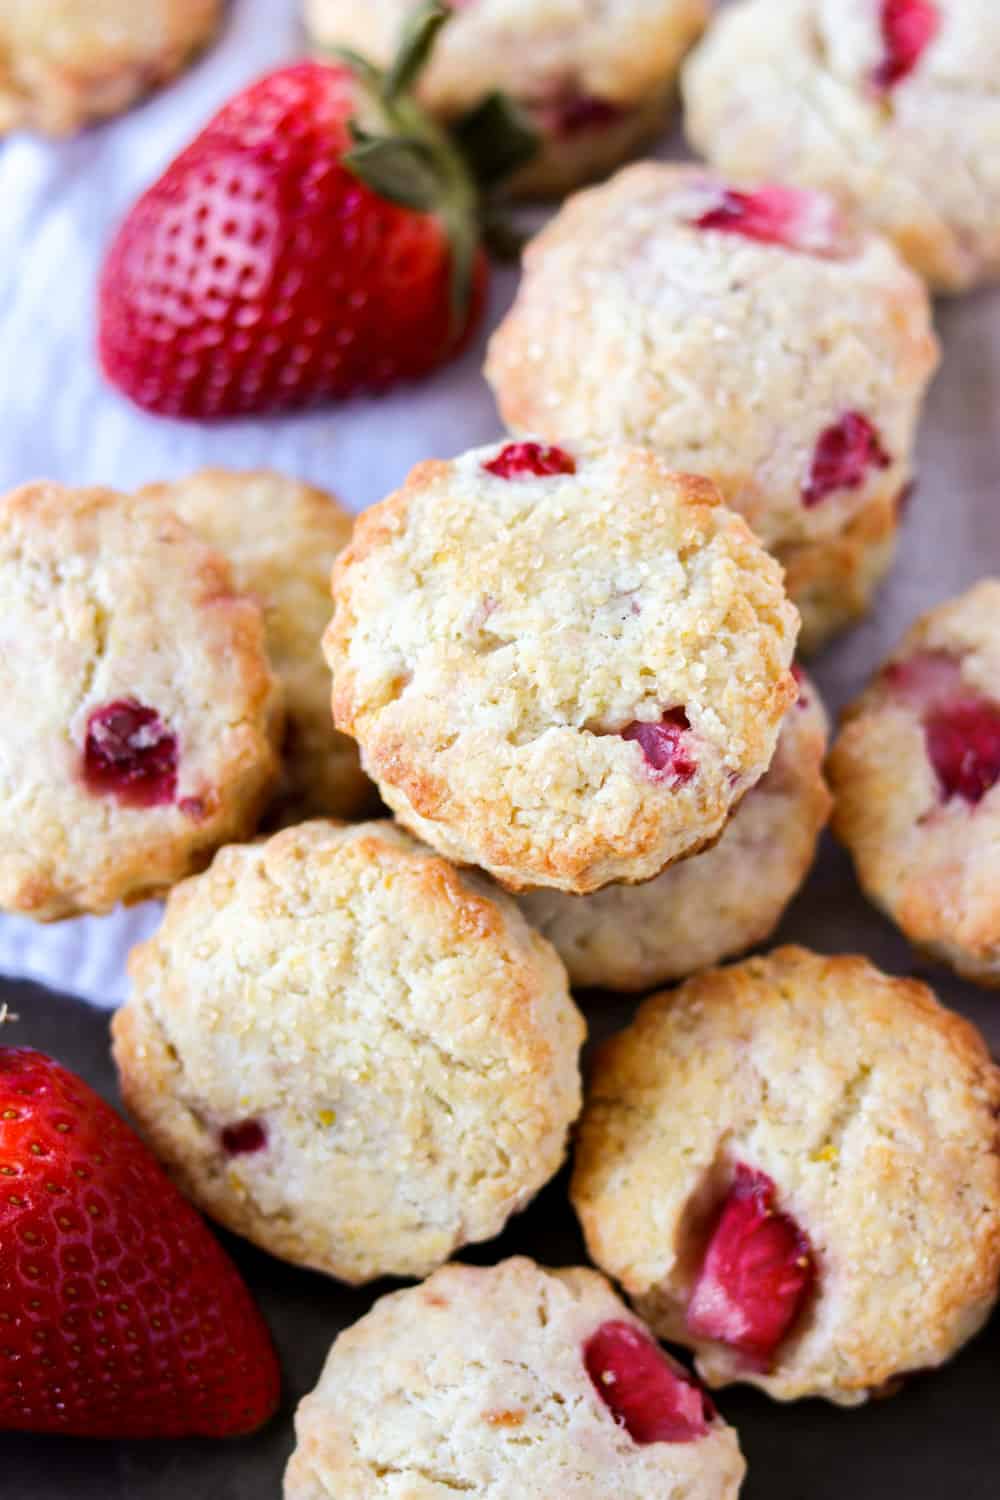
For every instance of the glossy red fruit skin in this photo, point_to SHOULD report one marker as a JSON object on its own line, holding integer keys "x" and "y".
{"x": 665, "y": 747}
{"x": 757, "y": 1274}
{"x": 130, "y": 754}
{"x": 530, "y": 460}
{"x": 844, "y": 455}
{"x": 652, "y": 1398}
{"x": 120, "y": 1315}
{"x": 908, "y": 29}
{"x": 259, "y": 273}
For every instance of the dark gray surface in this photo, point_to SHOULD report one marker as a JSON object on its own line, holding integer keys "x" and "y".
{"x": 939, "y": 1436}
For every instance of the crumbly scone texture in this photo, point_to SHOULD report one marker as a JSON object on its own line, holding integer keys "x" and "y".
{"x": 785, "y": 88}
{"x": 492, "y": 639}
{"x": 402, "y": 1039}
{"x": 547, "y": 55}
{"x": 475, "y": 1381}
{"x": 64, "y": 63}
{"x": 727, "y": 356}
{"x": 833, "y": 580}
{"x": 932, "y": 865}
{"x": 105, "y": 601}
{"x": 872, "y": 1109}
{"x": 716, "y": 905}
{"x": 281, "y": 537}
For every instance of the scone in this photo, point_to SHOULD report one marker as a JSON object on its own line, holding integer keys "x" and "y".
{"x": 142, "y": 718}
{"x": 915, "y": 772}
{"x": 717, "y": 905}
{"x": 350, "y": 1053}
{"x": 281, "y": 538}
{"x": 791, "y": 1165}
{"x": 594, "y": 77}
{"x": 745, "y": 333}
{"x": 64, "y": 63}
{"x": 564, "y": 667}
{"x": 508, "y": 1382}
{"x": 891, "y": 105}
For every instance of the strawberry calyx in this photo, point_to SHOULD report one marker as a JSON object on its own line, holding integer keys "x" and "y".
{"x": 405, "y": 156}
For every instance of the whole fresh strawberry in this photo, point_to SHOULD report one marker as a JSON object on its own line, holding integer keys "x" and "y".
{"x": 319, "y": 238}
{"x": 120, "y": 1314}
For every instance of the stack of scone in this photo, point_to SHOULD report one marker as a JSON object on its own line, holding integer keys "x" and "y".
{"x": 566, "y": 664}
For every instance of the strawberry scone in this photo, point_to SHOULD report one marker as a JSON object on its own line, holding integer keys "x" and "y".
{"x": 566, "y": 667}
{"x": 508, "y": 1382}
{"x": 594, "y": 79}
{"x": 748, "y": 333}
{"x": 891, "y": 105}
{"x": 64, "y": 63}
{"x": 350, "y": 1053}
{"x": 716, "y": 905}
{"x": 792, "y": 1167}
{"x": 916, "y": 774}
{"x": 281, "y": 538}
{"x": 142, "y": 719}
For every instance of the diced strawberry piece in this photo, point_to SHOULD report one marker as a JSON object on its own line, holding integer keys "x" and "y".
{"x": 655, "y": 1400}
{"x": 523, "y": 460}
{"x": 792, "y": 217}
{"x": 757, "y": 1273}
{"x": 963, "y": 743}
{"x": 666, "y": 747}
{"x": 130, "y": 754}
{"x": 243, "y": 1139}
{"x": 908, "y": 28}
{"x": 575, "y": 114}
{"x": 961, "y": 728}
{"x": 845, "y": 452}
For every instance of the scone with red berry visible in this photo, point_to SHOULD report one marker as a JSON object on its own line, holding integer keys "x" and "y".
{"x": 349, "y": 1052}
{"x": 508, "y": 1382}
{"x": 281, "y": 538}
{"x": 916, "y": 773}
{"x": 792, "y": 1167}
{"x": 748, "y": 333}
{"x": 595, "y": 78}
{"x": 891, "y": 105}
{"x": 566, "y": 667}
{"x": 142, "y": 715}
{"x": 64, "y": 63}
{"x": 716, "y": 905}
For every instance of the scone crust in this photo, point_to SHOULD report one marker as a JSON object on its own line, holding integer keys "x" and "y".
{"x": 726, "y": 900}
{"x": 281, "y": 537}
{"x": 110, "y": 602}
{"x": 406, "y": 1042}
{"x": 933, "y": 867}
{"x": 784, "y": 88}
{"x": 626, "y": 54}
{"x": 65, "y": 63}
{"x": 492, "y": 639}
{"x": 708, "y": 336}
{"x": 475, "y": 1381}
{"x": 871, "y": 1107}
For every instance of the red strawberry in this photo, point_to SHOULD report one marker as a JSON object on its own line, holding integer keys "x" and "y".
{"x": 290, "y": 256}
{"x": 527, "y": 460}
{"x": 120, "y": 1314}
{"x": 773, "y": 215}
{"x": 666, "y": 747}
{"x": 844, "y": 453}
{"x": 757, "y": 1272}
{"x": 651, "y": 1397}
{"x": 130, "y": 754}
{"x": 908, "y": 28}
{"x": 963, "y": 744}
